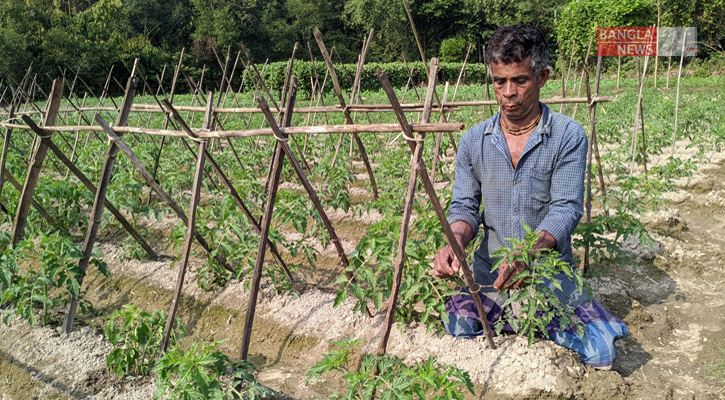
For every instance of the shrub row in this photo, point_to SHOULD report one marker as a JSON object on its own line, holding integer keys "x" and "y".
{"x": 274, "y": 74}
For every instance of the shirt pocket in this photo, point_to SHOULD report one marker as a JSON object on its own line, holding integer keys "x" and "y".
{"x": 541, "y": 185}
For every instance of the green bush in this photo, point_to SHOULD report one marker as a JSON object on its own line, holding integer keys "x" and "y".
{"x": 274, "y": 74}
{"x": 136, "y": 337}
{"x": 395, "y": 380}
{"x": 453, "y": 49}
{"x": 206, "y": 374}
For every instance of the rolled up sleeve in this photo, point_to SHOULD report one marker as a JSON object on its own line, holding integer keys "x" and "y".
{"x": 567, "y": 188}
{"x": 466, "y": 202}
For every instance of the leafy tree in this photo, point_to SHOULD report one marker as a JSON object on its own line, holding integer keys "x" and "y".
{"x": 580, "y": 19}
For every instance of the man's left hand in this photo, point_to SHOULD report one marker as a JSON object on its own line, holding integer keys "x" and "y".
{"x": 506, "y": 276}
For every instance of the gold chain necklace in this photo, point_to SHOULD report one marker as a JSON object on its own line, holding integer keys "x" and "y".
{"x": 521, "y": 131}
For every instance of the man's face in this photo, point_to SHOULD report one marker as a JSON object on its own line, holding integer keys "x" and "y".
{"x": 517, "y": 88}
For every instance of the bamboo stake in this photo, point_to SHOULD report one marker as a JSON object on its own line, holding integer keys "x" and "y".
{"x": 31, "y": 181}
{"x": 585, "y": 65}
{"x": 407, "y": 213}
{"x": 277, "y": 162}
{"x": 98, "y": 203}
{"x": 439, "y": 138}
{"x": 445, "y": 118}
{"x": 669, "y": 66}
{"x": 259, "y": 77}
{"x": 440, "y": 213}
{"x": 166, "y": 118}
{"x": 296, "y": 130}
{"x": 619, "y": 70}
{"x": 235, "y": 196}
{"x": 677, "y": 97}
{"x": 568, "y": 71}
{"x": 348, "y": 119}
{"x": 34, "y": 203}
{"x": 637, "y": 115}
{"x": 4, "y": 157}
{"x": 659, "y": 14}
{"x": 190, "y": 226}
{"x": 485, "y": 78}
{"x": 563, "y": 71}
{"x": 90, "y": 186}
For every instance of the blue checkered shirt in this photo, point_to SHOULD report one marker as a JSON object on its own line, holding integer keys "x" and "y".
{"x": 545, "y": 191}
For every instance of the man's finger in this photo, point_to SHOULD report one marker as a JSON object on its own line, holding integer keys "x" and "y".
{"x": 503, "y": 276}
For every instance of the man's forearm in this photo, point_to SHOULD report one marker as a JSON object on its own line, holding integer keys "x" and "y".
{"x": 463, "y": 233}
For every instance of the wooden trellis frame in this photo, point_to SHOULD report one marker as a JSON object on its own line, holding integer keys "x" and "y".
{"x": 213, "y": 128}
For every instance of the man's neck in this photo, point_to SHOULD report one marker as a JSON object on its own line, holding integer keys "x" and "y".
{"x": 523, "y": 122}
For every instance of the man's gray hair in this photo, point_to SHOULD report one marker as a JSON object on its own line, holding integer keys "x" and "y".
{"x": 514, "y": 43}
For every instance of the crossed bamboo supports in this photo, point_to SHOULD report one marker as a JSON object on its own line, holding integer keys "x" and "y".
{"x": 283, "y": 150}
{"x": 418, "y": 168}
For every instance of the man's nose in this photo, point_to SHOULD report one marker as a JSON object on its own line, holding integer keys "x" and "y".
{"x": 509, "y": 89}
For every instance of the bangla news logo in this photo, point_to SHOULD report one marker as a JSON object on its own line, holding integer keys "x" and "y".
{"x": 637, "y": 41}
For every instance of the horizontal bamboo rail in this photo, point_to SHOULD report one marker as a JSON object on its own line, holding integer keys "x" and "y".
{"x": 411, "y": 107}
{"x": 296, "y": 130}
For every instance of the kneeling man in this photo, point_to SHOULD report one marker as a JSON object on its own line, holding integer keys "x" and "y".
{"x": 526, "y": 164}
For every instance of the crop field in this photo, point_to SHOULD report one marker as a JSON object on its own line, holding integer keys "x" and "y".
{"x": 651, "y": 246}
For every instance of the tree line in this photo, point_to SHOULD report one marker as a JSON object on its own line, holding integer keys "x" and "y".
{"x": 89, "y": 37}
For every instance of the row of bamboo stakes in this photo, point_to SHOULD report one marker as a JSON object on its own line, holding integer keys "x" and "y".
{"x": 212, "y": 129}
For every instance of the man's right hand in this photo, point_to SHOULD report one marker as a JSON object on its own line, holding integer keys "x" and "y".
{"x": 445, "y": 263}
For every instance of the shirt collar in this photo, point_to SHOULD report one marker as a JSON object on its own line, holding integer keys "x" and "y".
{"x": 544, "y": 127}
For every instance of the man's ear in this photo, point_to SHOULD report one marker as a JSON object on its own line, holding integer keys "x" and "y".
{"x": 543, "y": 76}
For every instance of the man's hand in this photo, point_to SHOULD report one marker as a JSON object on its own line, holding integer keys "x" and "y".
{"x": 445, "y": 263}
{"x": 506, "y": 276}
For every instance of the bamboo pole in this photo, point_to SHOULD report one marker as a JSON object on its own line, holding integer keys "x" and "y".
{"x": 34, "y": 203}
{"x": 563, "y": 71}
{"x": 407, "y": 213}
{"x": 585, "y": 65}
{"x": 166, "y": 118}
{"x": 637, "y": 115}
{"x": 190, "y": 226}
{"x": 90, "y": 186}
{"x": 677, "y": 97}
{"x": 440, "y": 212}
{"x": 619, "y": 70}
{"x": 659, "y": 14}
{"x": 296, "y": 130}
{"x": 348, "y": 119}
{"x": 4, "y": 156}
{"x": 439, "y": 138}
{"x": 31, "y": 181}
{"x": 277, "y": 162}
{"x": 98, "y": 203}
{"x": 568, "y": 71}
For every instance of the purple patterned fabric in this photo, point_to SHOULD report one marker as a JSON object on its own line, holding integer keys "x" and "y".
{"x": 596, "y": 347}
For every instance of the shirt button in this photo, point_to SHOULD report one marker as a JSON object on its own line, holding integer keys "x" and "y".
{"x": 516, "y": 183}
{"x": 516, "y": 212}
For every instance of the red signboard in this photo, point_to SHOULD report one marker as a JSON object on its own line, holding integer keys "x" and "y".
{"x": 622, "y": 41}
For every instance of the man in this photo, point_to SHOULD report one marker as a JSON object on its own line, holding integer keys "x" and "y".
{"x": 527, "y": 165}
